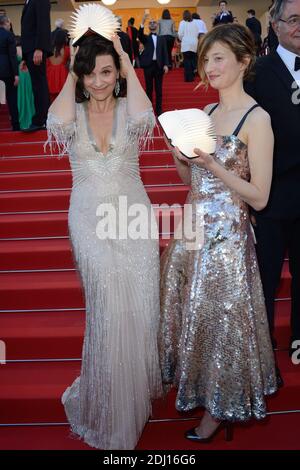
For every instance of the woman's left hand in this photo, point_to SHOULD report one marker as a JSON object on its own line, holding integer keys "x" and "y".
{"x": 205, "y": 160}
{"x": 125, "y": 63}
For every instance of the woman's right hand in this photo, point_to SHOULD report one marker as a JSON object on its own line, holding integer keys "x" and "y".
{"x": 125, "y": 63}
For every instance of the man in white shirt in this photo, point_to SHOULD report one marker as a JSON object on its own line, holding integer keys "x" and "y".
{"x": 277, "y": 89}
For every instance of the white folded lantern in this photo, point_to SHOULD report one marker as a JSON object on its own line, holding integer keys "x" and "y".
{"x": 188, "y": 129}
{"x": 93, "y": 19}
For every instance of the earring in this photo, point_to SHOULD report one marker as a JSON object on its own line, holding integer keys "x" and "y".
{"x": 86, "y": 94}
{"x": 117, "y": 87}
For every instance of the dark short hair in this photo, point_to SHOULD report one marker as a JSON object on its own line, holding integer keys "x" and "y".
{"x": 85, "y": 61}
{"x": 3, "y": 19}
{"x": 166, "y": 14}
{"x": 60, "y": 40}
{"x": 251, "y": 12}
{"x": 131, "y": 21}
{"x": 196, "y": 16}
{"x": 187, "y": 16}
{"x": 223, "y": 1}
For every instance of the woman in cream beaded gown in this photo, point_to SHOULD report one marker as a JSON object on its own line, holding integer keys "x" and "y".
{"x": 110, "y": 402}
{"x": 214, "y": 338}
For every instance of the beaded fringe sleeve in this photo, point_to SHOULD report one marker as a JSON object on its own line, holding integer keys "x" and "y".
{"x": 60, "y": 135}
{"x": 140, "y": 128}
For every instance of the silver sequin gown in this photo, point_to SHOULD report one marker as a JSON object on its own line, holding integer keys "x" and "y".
{"x": 110, "y": 402}
{"x": 214, "y": 337}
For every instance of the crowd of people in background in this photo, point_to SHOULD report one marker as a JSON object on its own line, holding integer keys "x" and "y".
{"x": 33, "y": 78}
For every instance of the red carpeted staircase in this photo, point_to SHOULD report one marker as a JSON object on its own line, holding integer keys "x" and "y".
{"x": 42, "y": 309}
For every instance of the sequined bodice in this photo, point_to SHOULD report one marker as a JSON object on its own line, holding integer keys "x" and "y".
{"x": 232, "y": 154}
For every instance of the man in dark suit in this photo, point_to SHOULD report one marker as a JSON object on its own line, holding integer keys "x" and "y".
{"x": 154, "y": 60}
{"x": 36, "y": 47}
{"x": 255, "y": 27}
{"x": 224, "y": 16}
{"x": 277, "y": 89}
{"x": 9, "y": 71}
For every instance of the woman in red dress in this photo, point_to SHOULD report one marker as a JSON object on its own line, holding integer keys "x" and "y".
{"x": 57, "y": 64}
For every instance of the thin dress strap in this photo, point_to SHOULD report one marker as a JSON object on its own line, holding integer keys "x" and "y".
{"x": 213, "y": 109}
{"x": 241, "y": 123}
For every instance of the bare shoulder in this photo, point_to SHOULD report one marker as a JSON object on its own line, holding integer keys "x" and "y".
{"x": 257, "y": 127}
{"x": 259, "y": 117}
{"x": 209, "y": 107}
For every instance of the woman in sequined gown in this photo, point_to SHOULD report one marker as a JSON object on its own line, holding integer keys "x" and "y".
{"x": 214, "y": 337}
{"x": 110, "y": 402}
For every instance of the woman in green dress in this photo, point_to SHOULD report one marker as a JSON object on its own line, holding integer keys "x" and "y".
{"x": 25, "y": 96}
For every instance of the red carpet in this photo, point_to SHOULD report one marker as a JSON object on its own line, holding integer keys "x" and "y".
{"x": 42, "y": 309}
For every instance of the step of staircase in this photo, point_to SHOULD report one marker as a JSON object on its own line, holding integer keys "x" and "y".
{"x": 40, "y": 254}
{"x": 63, "y": 179}
{"x": 55, "y": 224}
{"x": 43, "y": 334}
{"x": 36, "y": 163}
{"x": 59, "y": 199}
{"x": 27, "y": 147}
{"x": 55, "y": 334}
{"x": 276, "y": 432}
{"x": 62, "y": 289}
{"x": 30, "y": 392}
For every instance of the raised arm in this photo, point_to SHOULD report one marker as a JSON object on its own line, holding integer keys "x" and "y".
{"x": 61, "y": 125}
{"x": 63, "y": 107}
{"x": 137, "y": 100}
{"x": 141, "y": 35}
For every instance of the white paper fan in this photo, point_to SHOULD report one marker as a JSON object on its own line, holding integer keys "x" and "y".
{"x": 188, "y": 129}
{"x": 94, "y": 18}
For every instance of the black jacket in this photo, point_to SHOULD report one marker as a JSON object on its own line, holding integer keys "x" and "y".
{"x": 35, "y": 27}
{"x": 275, "y": 90}
{"x": 8, "y": 55}
{"x": 255, "y": 27}
{"x": 223, "y": 19}
{"x": 134, "y": 42}
{"x": 147, "y": 54}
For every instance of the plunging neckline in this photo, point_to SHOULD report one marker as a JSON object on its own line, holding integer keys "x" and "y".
{"x": 90, "y": 133}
